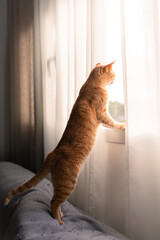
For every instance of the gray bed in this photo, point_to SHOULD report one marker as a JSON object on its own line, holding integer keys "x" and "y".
{"x": 28, "y": 216}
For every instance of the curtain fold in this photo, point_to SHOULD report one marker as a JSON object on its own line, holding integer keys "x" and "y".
{"x": 3, "y": 41}
{"x": 23, "y": 121}
{"x": 142, "y": 51}
{"x": 46, "y": 25}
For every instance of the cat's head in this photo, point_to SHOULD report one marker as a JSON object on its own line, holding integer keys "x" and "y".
{"x": 104, "y": 73}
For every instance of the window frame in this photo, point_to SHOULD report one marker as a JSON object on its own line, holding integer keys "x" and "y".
{"x": 113, "y": 135}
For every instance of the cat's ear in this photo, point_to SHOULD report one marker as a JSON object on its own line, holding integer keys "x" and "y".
{"x": 98, "y": 64}
{"x": 108, "y": 67}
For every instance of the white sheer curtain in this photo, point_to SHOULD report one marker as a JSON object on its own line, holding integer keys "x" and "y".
{"x": 142, "y": 47}
{"x": 75, "y": 35}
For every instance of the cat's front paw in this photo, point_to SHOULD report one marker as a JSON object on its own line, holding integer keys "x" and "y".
{"x": 107, "y": 126}
{"x": 120, "y": 126}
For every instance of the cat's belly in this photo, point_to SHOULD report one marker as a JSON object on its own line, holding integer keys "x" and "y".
{"x": 83, "y": 140}
{"x": 80, "y": 135}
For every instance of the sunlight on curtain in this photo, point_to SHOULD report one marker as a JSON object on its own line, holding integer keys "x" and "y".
{"x": 46, "y": 27}
{"x": 142, "y": 37}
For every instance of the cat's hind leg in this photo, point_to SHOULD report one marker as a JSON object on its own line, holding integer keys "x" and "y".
{"x": 61, "y": 213}
{"x": 58, "y": 198}
{"x": 56, "y": 210}
{"x": 61, "y": 193}
{"x": 64, "y": 181}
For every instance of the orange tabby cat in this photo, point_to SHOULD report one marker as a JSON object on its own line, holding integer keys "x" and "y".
{"x": 66, "y": 160}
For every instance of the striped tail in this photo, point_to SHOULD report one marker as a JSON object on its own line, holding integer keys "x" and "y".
{"x": 42, "y": 173}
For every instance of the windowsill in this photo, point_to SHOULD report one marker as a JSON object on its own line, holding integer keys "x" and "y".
{"x": 113, "y": 135}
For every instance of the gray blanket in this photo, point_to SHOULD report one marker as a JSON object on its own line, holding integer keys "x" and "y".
{"x": 28, "y": 216}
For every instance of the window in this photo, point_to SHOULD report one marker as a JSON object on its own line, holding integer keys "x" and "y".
{"x": 113, "y": 51}
{"x": 116, "y": 105}
{"x": 116, "y": 96}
